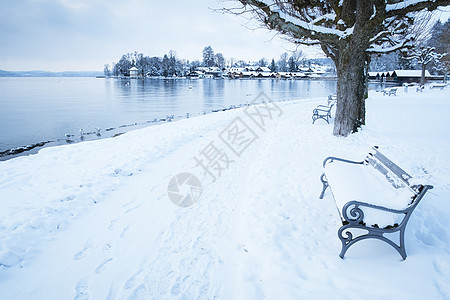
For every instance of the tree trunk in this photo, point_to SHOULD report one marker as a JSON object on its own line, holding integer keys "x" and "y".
{"x": 351, "y": 90}
{"x": 422, "y": 77}
{"x": 352, "y": 67}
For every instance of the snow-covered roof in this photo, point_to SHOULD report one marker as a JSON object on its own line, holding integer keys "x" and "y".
{"x": 233, "y": 69}
{"x": 265, "y": 74}
{"x": 386, "y": 74}
{"x": 265, "y": 69}
{"x": 373, "y": 73}
{"x": 411, "y": 73}
{"x": 134, "y": 69}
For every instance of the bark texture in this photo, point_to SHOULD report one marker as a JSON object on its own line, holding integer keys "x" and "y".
{"x": 351, "y": 72}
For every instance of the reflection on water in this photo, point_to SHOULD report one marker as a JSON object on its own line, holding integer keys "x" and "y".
{"x": 33, "y": 110}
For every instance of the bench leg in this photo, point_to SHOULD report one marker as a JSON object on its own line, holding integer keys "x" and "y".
{"x": 348, "y": 240}
{"x": 325, "y": 185}
{"x": 323, "y": 118}
{"x": 317, "y": 117}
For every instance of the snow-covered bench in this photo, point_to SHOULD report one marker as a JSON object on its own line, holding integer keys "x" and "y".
{"x": 390, "y": 91}
{"x": 331, "y": 99}
{"x": 437, "y": 86}
{"x": 374, "y": 197}
{"x": 322, "y": 112}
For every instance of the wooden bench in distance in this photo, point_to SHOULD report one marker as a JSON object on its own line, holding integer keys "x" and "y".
{"x": 374, "y": 197}
{"x": 331, "y": 99}
{"x": 437, "y": 86}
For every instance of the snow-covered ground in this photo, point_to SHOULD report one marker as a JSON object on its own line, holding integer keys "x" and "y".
{"x": 94, "y": 220}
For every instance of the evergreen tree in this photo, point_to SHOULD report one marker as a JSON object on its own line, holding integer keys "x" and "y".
{"x": 165, "y": 66}
{"x": 273, "y": 66}
{"x": 292, "y": 66}
{"x": 440, "y": 40}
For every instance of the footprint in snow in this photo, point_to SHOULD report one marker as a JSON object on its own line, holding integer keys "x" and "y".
{"x": 131, "y": 209}
{"x": 82, "y": 290}
{"x": 107, "y": 249}
{"x": 103, "y": 266}
{"x": 441, "y": 267}
{"x": 133, "y": 280}
{"x": 128, "y": 204}
{"x": 125, "y": 231}
{"x": 112, "y": 225}
{"x": 81, "y": 254}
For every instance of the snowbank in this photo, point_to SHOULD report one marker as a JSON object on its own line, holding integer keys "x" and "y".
{"x": 93, "y": 220}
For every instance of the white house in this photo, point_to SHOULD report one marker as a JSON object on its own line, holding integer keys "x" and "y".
{"x": 134, "y": 72}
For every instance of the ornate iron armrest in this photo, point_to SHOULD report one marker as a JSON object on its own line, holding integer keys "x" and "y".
{"x": 332, "y": 158}
{"x": 357, "y": 214}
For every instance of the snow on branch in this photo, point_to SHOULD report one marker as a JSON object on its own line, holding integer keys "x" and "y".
{"x": 394, "y": 46}
{"x": 331, "y": 17}
{"x": 303, "y": 23}
{"x": 403, "y": 4}
{"x": 406, "y": 6}
{"x": 317, "y": 29}
{"x": 425, "y": 55}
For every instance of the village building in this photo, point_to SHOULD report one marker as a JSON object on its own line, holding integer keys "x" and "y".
{"x": 399, "y": 76}
{"x": 134, "y": 72}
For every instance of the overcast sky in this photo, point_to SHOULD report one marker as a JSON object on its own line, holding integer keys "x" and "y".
{"x": 77, "y": 35}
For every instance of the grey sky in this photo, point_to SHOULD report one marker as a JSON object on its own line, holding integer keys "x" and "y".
{"x": 61, "y": 35}
{"x": 86, "y": 34}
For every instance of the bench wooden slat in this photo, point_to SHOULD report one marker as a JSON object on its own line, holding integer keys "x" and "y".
{"x": 399, "y": 172}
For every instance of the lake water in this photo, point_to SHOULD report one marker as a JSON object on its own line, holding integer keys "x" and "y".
{"x": 34, "y": 110}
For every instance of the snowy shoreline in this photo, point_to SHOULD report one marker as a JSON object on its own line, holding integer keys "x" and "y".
{"x": 93, "y": 219}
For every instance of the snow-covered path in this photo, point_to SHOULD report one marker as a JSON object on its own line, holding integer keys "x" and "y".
{"x": 93, "y": 220}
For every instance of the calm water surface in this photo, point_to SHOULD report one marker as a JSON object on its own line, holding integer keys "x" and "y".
{"x": 34, "y": 110}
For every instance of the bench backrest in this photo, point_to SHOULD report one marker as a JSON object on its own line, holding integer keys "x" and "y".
{"x": 394, "y": 174}
{"x": 331, "y": 106}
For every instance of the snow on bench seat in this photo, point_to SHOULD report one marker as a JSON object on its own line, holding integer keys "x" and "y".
{"x": 374, "y": 197}
{"x": 358, "y": 182}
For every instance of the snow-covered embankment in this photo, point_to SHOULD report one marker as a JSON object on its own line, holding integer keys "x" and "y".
{"x": 93, "y": 220}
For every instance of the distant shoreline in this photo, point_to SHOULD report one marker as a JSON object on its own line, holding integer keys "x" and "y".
{"x": 4, "y": 73}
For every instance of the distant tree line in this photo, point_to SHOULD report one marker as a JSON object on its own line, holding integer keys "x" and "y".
{"x": 170, "y": 65}
{"x": 433, "y": 52}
